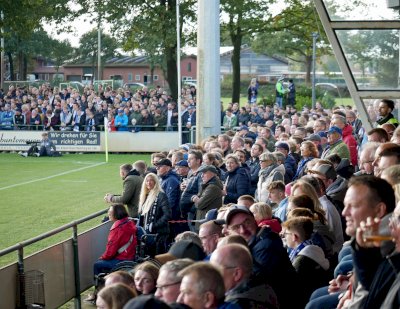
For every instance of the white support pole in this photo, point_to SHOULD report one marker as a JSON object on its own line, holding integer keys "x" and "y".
{"x": 208, "y": 112}
{"x": 2, "y": 68}
{"x": 178, "y": 64}
{"x": 99, "y": 49}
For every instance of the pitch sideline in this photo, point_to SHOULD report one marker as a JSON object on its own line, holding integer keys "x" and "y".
{"x": 53, "y": 176}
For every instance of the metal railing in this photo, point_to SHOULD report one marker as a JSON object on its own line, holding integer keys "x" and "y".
{"x": 19, "y": 248}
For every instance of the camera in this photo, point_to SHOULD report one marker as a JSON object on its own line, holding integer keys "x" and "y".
{"x": 32, "y": 142}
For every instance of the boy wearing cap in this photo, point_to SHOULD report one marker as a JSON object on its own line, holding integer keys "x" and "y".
{"x": 121, "y": 121}
{"x": 336, "y": 144}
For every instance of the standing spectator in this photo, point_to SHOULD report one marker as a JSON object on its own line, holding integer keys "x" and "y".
{"x": 132, "y": 183}
{"x": 291, "y": 93}
{"x": 269, "y": 171}
{"x": 237, "y": 180}
{"x": 254, "y": 165}
{"x": 121, "y": 121}
{"x": 210, "y": 195}
{"x": 252, "y": 91}
{"x": 146, "y": 121}
{"x": 170, "y": 185}
{"x": 154, "y": 212}
{"x": 347, "y": 136}
{"x": 290, "y": 162}
{"x": 280, "y": 92}
{"x": 35, "y": 121}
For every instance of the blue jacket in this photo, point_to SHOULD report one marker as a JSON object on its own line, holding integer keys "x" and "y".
{"x": 192, "y": 188}
{"x": 121, "y": 122}
{"x": 254, "y": 166}
{"x": 170, "y": 184}
{"x": 238, "y": 183}
{"x": 290, "y": 168}
{"x": 272, "y": 266}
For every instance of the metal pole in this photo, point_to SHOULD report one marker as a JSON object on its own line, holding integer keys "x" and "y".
{"x": 99, "y": 49}
{"x": 2, "y": 74}
{"x": 78, "y": 302}
{"x": 315, "y": 36}
{"x": 208, "y": 112}
{"x": 178, "y": 64}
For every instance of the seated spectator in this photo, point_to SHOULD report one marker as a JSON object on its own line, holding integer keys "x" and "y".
{"x": 202, "y": 287}
{"x": 236, "y": 264}
{"x": 145, "y": 276}
{"x": 271, "y": 262}
{"x": 270, "y": 171}
{"x": 121, "y": 244}
{"x": 210, "y": 232}
{"x": 308, "y": 260}
{"x": 246, "y": 200}
{"x": 290, "y": 162}
{"x": 115, "y": 296}
{"x": 180, "y": 250}
{"x": 189, "y": 236}
{"x": 120, "y": 276}
{"x": 263, "y": 214}
{"x": 168, "y": 282}
{"x": 276, "y": 195}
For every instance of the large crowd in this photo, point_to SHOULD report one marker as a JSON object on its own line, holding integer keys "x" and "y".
{"x": 285, "y": 209}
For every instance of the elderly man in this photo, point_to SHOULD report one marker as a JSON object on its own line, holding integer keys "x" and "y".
{"x": 131, "y": 190}
{"x": 168, "y": 281}
{"x": 170, "y": 184}
{"x": 210, "y": 232}
{"x": 271, "y": 262}
{"x": 367, "y": 157}
{"x": 210, "y": 195}
{"x": 336, "y": 144}
{"x": 202, "y": 287}
{"x": 386, "y": 155}
{"x": 236, "y": 263}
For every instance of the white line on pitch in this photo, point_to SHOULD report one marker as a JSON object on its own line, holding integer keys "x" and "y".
{"x": 50, "y": 177}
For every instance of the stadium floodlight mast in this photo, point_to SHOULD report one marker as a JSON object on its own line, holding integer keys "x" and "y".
{"x": 178, "y": 63}
{"x": 314, "y": 56}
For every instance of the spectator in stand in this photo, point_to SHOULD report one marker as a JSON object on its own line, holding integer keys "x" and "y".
{"x": 35, "y": 121}
{"x": 121, "y": 121}
{"x": 339, "y": 121}
{"x": 276, "y": 196}
{"x": 271, "y": 262}
{"x": 115, "y": 296}
{"x": 252, "y": 91}
{"x": 132, "y": 184}
{"x": 170, "y": 185}
{"x": 154, "y": 212}
{"x": 146, "y": 121}
{"x": 263, "y": 214}
{"x": 290, "y": 162}
{"x": 386, "y": 155}
{"x": 121, "y": 244}
{"x": 378, "y": 135}
{"x": 224, "y": 142}
{"x": 254, "y": 165}
{"x": 237, "y": 181}
{"x": 367, "y": 157}
{"x": 210, "y": 194}
{"x": 336, "y": 144}
{"x": 236, "y": 263}
{"x": 230, "y": 120}
{"x": 168, "y": 281}
{"x": 145, "y": 276}
{"x": 269, "y": 171}
{"x": 237, "y": 143}
{"x": 308, "y": 153}
{"x": 243, "y": 117}
{"x": 210, "y": 232}
{"x": 386, "y": 108}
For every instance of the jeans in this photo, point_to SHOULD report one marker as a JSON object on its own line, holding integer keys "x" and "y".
{"x": 101, "y": 266}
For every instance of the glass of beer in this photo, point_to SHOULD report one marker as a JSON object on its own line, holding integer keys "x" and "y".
{"x": 378, "y": 233}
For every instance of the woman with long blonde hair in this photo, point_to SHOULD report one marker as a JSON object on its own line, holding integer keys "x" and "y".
{"x": 154, "y": 211}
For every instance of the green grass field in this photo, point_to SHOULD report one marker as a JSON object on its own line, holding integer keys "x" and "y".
{"x": 41, "y": 194}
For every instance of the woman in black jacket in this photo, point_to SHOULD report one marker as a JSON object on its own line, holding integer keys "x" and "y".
{"x": 237, "y": 180}
{"x": 154, "y": 211}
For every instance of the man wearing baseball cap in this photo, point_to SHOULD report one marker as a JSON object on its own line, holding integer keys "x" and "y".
{"x": 336, "y": 144}
{"x": 271, "y": 261}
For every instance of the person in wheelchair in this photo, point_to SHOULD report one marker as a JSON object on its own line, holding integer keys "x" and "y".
{"x": 45, "y": 148}
{"x": 121, "y": 243}
{"x": 154, "y": 213}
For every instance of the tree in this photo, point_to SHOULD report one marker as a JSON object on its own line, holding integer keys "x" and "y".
{"x": 88, "y": 48}
{"x": 291, "y": 35}
{"x": 245, "y": 18}
{"x": 149, "y": 26}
